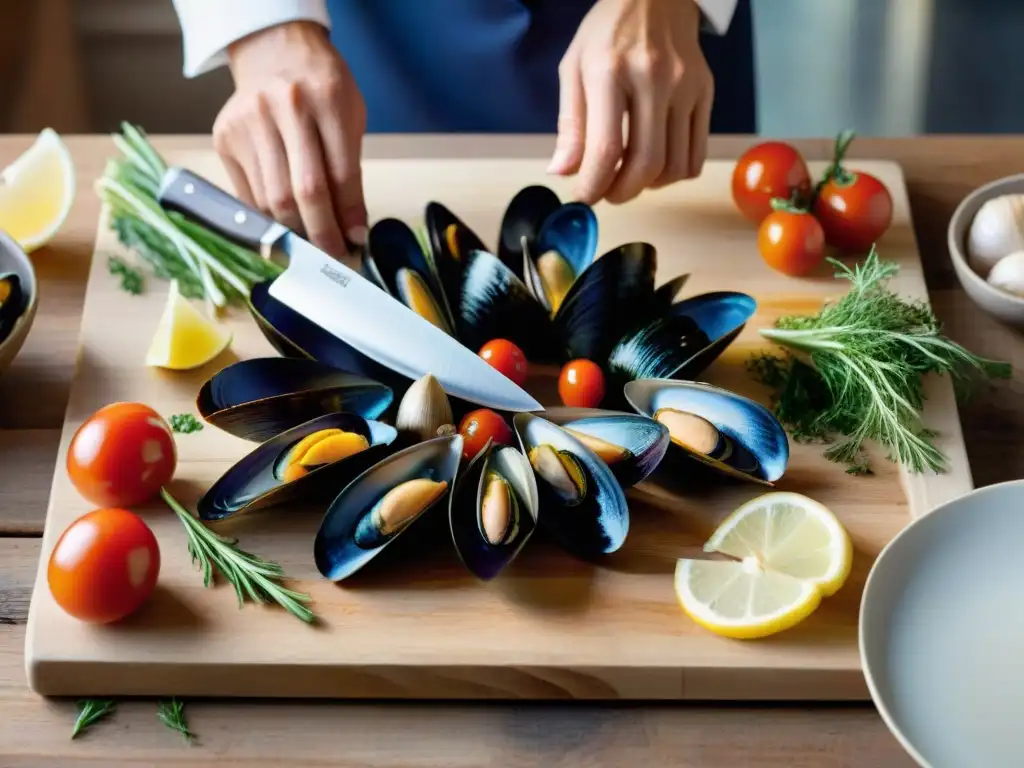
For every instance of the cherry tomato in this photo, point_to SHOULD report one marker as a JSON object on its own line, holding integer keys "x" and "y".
{"x": 767, "y": 170}
{"x": 581, "y": 384}
{"x": 507, "y": 358}
{"x": 121, "y": 455}
{"x": 104, "y": 566}
{"x": 791, "y": 242}
{"x": 477, "y": 427}
{"x": 854, "y": 209}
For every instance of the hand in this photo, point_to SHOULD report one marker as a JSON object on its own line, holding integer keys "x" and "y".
{"x": 291, "y": 135}
{"x": 640, "y": 58}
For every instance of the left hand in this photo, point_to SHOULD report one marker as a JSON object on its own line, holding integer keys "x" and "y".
{"x": 640, "y": 58}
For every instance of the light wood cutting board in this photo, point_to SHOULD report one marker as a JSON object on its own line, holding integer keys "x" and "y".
{"x": 417, "y": 625}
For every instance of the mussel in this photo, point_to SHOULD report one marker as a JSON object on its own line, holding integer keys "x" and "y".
{"x": 382, "y": 503}
{"x": 582, "y": 504}
{"x": 728, "y": 432}
{"x": 632, "y": 446}
{"x": 564, "y": 248}
{"x": 12, "y": 302}
{"x": 312, "y": 460}
{"x": 493, "y": 511}
{"x": 261, "y": 397}
{"x": 522, "y": 222}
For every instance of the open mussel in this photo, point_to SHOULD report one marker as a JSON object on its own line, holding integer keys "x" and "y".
{"x": 522, "y": 222}
{"x": 493, "y": 510}
{"x": 730, "y": 433}
{"x": 631, "y": 445}
{"x": 380, "y": 504}
{"x": 258, "y": 398}
{"x": 12, "y": 302}
{"x": 564, "y": 248}
{"x": 582, "y": 504}
{"x": 310, "y": 461}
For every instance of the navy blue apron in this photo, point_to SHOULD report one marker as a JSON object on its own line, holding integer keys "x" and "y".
{"x": 491, "y": 66}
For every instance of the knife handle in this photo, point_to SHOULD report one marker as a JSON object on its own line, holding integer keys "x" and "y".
{"x": 211, "y": 206}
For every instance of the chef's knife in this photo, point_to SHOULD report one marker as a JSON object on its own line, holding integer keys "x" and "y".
{"x": 343, "y": 302}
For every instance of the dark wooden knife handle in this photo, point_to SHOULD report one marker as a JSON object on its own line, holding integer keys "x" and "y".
{"x": 211, "y": 206}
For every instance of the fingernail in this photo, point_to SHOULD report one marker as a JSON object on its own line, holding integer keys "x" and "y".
{"x": 357, "y": 235}
{"x": 557, "y": 161}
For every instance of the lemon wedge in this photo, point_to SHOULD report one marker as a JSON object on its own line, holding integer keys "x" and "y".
{"x": 791, "y": 552}
{"x": 185, "y": 338}
{"x": 36, "y": 191}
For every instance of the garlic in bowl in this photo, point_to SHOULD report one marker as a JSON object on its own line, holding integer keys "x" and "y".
{"x": 997, "y": 230}
{"x": 1007, "y": 274}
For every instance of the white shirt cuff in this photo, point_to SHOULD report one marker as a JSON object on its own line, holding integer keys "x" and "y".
{"x": 717, "y": 14}
{"x": 208, "y": 27}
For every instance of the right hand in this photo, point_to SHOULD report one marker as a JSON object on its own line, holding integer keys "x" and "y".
{"x": 291, "y": 135}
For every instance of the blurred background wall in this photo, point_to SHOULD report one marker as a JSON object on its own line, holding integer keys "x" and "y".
{"x": 883, "y": 67}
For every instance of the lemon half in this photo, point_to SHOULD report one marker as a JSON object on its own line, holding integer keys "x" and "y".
{"x": 185, "y": 338}
{"x": 791, "y": 552}
{"x": 36, "y": 191}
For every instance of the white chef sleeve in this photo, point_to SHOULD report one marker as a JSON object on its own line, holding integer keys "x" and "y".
{"x": 717, "y": 14}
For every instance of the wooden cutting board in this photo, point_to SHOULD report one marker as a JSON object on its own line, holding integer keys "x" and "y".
{"x": 417, "y": 625}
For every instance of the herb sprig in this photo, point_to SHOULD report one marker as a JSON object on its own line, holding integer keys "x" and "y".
{"x": 251, "y": 576}
{"x": 184, "y": 423}
{"x": 131, "y": 278}
{"x": 172, "y": 714}
{"x": 855, "y": 371}
{"x": 91, "y": 711}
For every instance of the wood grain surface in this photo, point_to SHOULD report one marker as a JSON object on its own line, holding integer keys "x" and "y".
{"x": 33, "y": 394}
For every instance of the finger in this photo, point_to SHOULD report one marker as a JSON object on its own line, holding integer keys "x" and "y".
{"x": 232, "y": 144}
{"x": 677, "y": 143}
{"x": 700, "y": 127}
{"x": 606, "y": 104}
{"x": 645, "y": 153}
{"x": 239, "y": 181}
{"x": 309, "y": 179}
{"x": 272, "y": 160}
{"x": 341, "y": 135}
{"x": 572, "y": 115}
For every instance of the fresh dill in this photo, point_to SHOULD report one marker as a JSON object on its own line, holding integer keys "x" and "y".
{"x": 91, "y": 711}
{"x": 131, "y": 278}
{"x": 184, "y": 423}
{"x": 172, "y": 714}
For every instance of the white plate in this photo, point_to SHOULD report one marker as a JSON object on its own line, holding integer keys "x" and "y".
{"x": 942, "y": 632}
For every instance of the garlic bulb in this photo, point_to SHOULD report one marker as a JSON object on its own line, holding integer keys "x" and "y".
{"x": 1008, "y": 274}
{"x": 996, "y": 231}
{"x": 424, "y": 409}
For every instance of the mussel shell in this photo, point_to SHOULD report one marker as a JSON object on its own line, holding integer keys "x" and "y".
{"x": 252, "y": 484}
{"x": 599, "y": 523}
{"x": 571, "y": 230}
{"x": 483, "y": 559}
{"x": 336, "y": 553}
{"x": 523, "y": 218}
{"x": 747, "y": 423}
{"x": 683, "y": 342}
{"x": 645, "y": 439}
{"x": 390, "y": 246}
{"x": 448, "y": 264}
{"x": 293, "y": 335}
{"x": 259, "y": 398}
{"x": 494, "y": 304}
{"x": 13, "y": 306}
{"x": 613, "y": 295}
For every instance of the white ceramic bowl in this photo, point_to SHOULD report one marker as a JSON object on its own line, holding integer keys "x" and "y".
{"x": 942, "y": 632}
{"x": 1004, "y": 306}
{"x": 13, "y": 259}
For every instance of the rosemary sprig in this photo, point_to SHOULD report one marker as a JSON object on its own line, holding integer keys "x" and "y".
{"x": 250, "y": 576}
{"x": 91, "y": 711}
{"x": 184, "y": 423}
{"x": 172, "y": 714}
{"x": 856, "y": 370}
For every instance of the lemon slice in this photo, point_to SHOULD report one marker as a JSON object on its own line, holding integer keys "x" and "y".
{"x": 791, "y": 551}
{"x": 185, "y": 338}
{"x": 36, "y": 191}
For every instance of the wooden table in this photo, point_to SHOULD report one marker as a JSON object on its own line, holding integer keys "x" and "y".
{"x": 33, "y": 395}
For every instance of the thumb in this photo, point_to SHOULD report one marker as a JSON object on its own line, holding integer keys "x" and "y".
{"x": 572, "y": 118}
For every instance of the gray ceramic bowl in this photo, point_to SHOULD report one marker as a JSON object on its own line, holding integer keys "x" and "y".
{"x": 941, "y": 628}
{"x": 1004, "y": 306}
{"x": 13, "y": 259}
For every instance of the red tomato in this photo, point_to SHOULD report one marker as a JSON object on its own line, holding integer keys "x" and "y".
{"x": 854, "y": 209}
{"x": 121, "y": 455}
{"x": 104, "y": 566}
{"x": 477, "y": 427}
{"x": 767, "y": 170}
{"x": 507, "y": 358}
{"x": 581, "y": 384}
{"x": 791, "y": 242}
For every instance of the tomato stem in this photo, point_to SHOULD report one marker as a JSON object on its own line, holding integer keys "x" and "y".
{"x": 835, "y": 171}
{"x": 790, "y": 206}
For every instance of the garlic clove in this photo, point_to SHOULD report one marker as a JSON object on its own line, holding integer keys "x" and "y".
{"x": 424, "y": 409}
{"x": 1008, "y": 274}
{"x": 996, "y": 231}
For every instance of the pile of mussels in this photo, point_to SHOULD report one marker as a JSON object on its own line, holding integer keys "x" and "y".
{"x": 13, "y": 302}
{"x": 319, "y": 413}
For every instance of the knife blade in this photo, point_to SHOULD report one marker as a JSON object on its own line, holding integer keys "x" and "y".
{"x": 343, "y": 302}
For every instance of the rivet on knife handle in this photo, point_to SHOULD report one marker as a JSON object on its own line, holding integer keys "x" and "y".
{"x": 197, "y": 198}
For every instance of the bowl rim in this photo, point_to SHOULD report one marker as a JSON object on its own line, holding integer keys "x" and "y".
{"x": 872, "y": 584}
{"x": 978, "y": 197}
{"x": 9, "y": 245}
